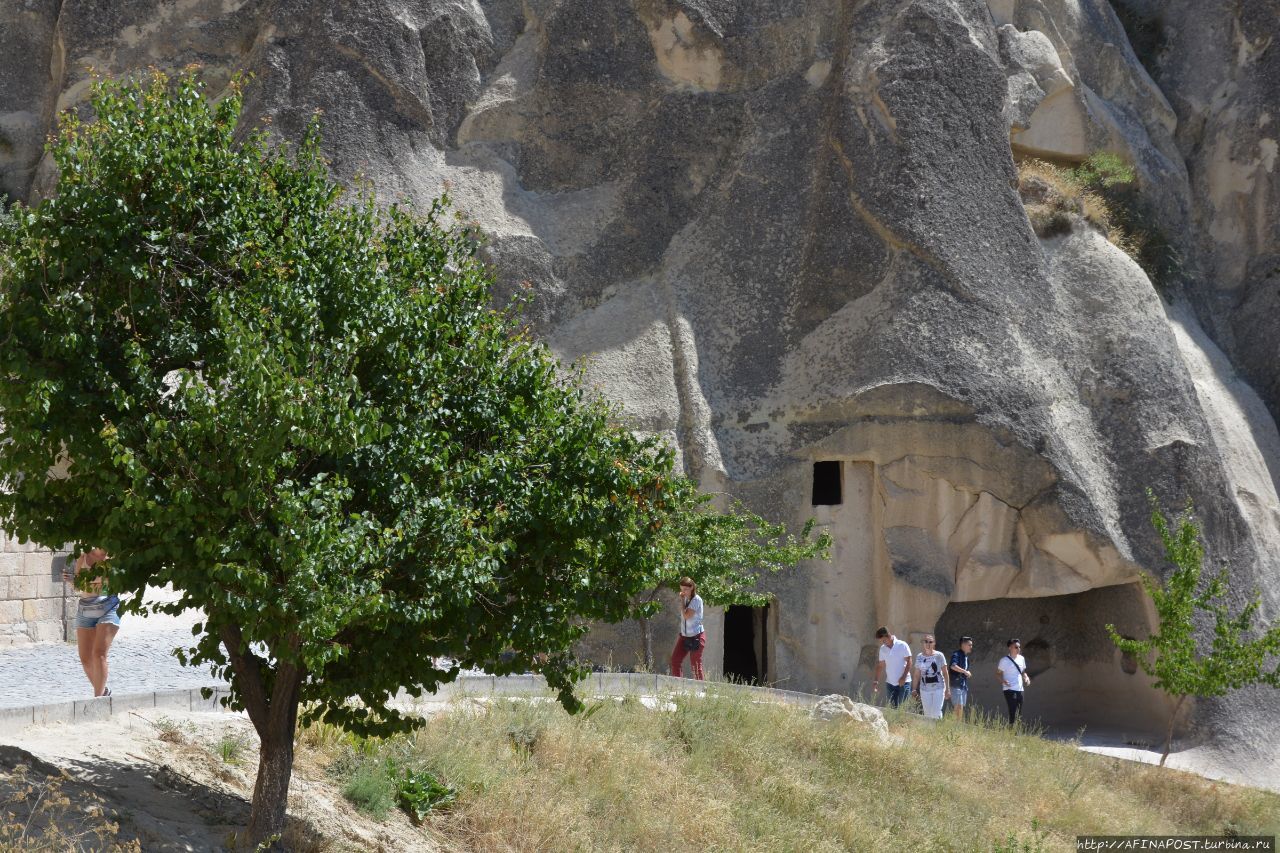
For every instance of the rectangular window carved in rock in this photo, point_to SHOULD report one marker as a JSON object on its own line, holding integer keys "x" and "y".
{"x": 827, "y": 483}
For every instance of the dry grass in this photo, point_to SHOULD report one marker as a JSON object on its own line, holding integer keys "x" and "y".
{"x": 733, "y": 775}
{"x": 37, "y": 814}
{"x": 1103, "y": 191}
{"x": 1053, "y": 195}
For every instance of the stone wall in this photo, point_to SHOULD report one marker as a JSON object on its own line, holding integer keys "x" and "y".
{"x": 32, "y": 603}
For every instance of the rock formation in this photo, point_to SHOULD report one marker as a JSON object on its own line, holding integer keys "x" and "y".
{"x": 835, "y": 707}
{"x": 784, "y": 232}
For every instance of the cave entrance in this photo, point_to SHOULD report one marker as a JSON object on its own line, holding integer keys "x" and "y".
{"x": 1079, "y": 678}
{"x": 746, "y": 644}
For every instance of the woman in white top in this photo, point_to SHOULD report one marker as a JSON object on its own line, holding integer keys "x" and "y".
{"x": 692, "y": 638}
{"x": 933, "y": 686}
{"x": 1012, "y": 670}
{"x": 97, "y": 620}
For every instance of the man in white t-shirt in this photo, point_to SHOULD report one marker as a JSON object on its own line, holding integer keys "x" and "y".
{"x": 1012, "y": 670}
{"x": 933, "y": 686}
{"x": 894, "y": 667}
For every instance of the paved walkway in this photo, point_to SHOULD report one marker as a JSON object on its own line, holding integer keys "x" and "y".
{"x": 141, "y": 661}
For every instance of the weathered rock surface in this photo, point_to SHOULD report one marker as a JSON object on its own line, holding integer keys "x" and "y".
{"x": 835, "y": 707}
{"x": 781, "y": 231}
{"x": 1219, "y": 64}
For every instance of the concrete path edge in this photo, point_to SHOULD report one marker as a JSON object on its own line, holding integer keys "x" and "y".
{"x": 14, "y": 720}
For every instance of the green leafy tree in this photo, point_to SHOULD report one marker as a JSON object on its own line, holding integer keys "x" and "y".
{"x": 1238, "y": 653}
{"x": 304, "y": 413}
{"x": 725, "y": 553}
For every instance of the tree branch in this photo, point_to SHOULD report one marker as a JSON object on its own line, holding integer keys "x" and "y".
{"x": 248, "y": 669}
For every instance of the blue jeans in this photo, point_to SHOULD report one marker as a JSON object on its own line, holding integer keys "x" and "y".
{"x": 99, "y": 611}
{"x": 897, "y": 695}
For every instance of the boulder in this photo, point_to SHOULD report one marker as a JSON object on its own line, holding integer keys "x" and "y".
{"x": 836, "y": 707}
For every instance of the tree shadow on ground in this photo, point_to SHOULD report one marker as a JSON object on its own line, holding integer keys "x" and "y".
{"x": 97, "y": 804}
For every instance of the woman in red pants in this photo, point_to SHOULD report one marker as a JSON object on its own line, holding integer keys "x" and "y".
{"x": 692, "y": 638}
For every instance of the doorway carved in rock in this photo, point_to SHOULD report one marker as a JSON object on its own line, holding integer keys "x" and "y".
{"x": 748, "y": 640}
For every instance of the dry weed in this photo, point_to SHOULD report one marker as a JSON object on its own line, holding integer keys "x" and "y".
{"x": 766, "y": 777}
{"x": 1054, "y": 198}
{"x": 37, "y": 814}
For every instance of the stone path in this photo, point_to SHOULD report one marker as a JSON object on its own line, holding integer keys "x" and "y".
{"x": 141, "y": 661}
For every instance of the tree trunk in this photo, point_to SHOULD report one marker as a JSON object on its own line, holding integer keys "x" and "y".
{"x": 646, "y": 632}
{"x": 271, "y": 791}
{"x": 1168, "y": 735}
{"x": 275, "y": 718}
{"x": 646, "y": 639}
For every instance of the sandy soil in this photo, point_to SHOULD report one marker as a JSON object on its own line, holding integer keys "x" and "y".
{"x": 160, "y": 774}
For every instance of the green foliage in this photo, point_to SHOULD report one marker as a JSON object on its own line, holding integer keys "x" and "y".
{"x": 1017, "y": 843}
{"x": 1104, "y": 191}
{"x": 1238, "y": 653}
{"x": 1104, "y": 171}
{"x": 1173, "y": 655}
{"x": 524, "y": 735}
{"x": 1134, "y": 220}
{"x": 371, "y": 789}
{"x": 374, "y": 781}
{"x": 230, "y": 748}
{"x": 305, "y": 414}
{"x": 726, "y": 553}
{"x": 419, "y": 791}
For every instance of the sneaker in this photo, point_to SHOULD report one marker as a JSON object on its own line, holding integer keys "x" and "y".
{"x": 106, "y": 691}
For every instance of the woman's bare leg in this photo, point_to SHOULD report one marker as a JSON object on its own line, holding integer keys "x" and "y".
{"x": 103, "y": 635}
{"x": 85, "y": 639}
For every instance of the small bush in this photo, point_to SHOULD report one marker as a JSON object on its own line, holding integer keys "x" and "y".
{"x": 1053, "y": 195}
{"x": 528, "y": 723}
{"x": 1131, "y": 217}
{"x": 371, "y": 788}
{"x": 1105, "y": 171}
{"x": 419, "y": 792}
{"x": 1104, "y": 192}
{"x": 328, "y": 739}
{"x": 170, "y": 731}
{"x": 230, "y": 747}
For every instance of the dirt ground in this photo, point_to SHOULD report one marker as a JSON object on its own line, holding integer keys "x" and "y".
{"x": 171, "y": 780}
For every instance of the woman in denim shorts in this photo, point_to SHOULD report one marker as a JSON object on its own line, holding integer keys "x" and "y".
{"x": 97, "y": 621}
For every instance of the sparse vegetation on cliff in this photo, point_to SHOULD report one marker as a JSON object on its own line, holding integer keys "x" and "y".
{"x": 1103, "y": 191}
{"x": 1052, "y": 195}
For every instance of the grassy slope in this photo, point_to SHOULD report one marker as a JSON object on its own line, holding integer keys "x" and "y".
{"x": 732, "y": 775}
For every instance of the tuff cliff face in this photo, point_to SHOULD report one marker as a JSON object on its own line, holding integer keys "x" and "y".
{"x": 788, "y": 231}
